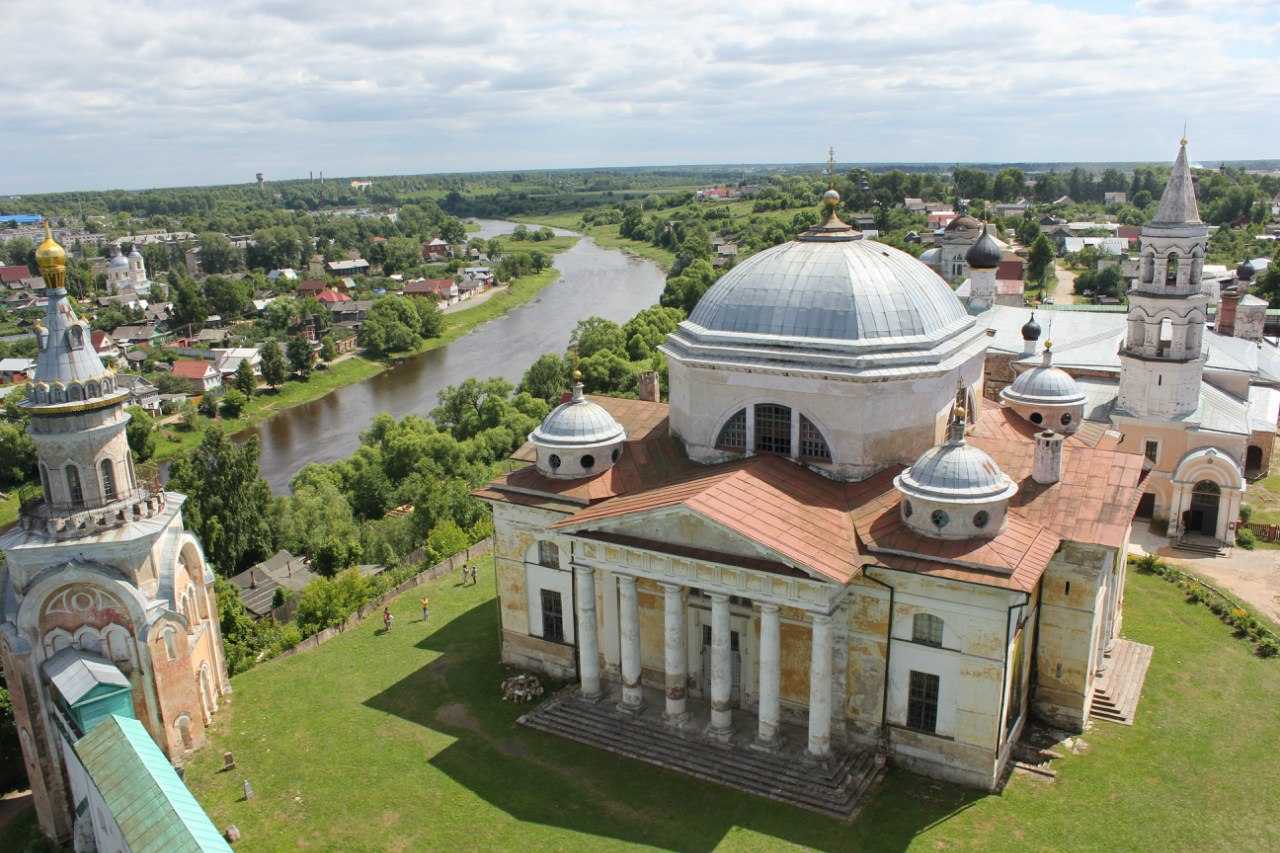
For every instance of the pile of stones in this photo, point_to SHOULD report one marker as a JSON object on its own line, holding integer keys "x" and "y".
{"x": 521, "y": 688}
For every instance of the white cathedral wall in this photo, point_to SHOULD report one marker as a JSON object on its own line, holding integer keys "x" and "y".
{"x": 867, "y": 425}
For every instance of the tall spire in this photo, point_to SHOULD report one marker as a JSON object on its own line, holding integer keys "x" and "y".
{"x": 1178, "y": 204}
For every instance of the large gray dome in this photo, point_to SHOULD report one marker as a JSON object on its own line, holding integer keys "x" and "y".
{"x": 838, "y": 290}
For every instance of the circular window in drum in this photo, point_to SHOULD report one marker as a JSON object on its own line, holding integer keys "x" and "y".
{"x": 588, "y": 461}
{"x": 1066, "y": 419}
{"x": 554, "y": 461}
{"x": 617, "y": 454}
{"x": 907, "y": 509}
{"x": 1037, "y": 418}
{"x": 980, "y": 519}
{"x": 939, "y": 518}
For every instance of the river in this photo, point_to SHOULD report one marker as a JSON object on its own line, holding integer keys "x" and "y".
{"x": 593, "y": 282}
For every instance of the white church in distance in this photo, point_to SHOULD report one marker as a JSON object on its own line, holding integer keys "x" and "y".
{"x": 828, "y": 530}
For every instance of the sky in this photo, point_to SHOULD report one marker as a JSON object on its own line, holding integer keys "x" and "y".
{"x": 140, "y": 93}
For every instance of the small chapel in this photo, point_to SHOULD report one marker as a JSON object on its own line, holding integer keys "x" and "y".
{"x": 829, "y": 540}
{"x": 109, "y": 632}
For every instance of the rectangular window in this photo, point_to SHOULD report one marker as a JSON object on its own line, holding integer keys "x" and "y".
{"x": 1151, "y": 450}
{"x": 552, "y": 616}
{"x": 548, "y": 554}
{"x": 922, "y": 702}
{"x": 773, "y": 429}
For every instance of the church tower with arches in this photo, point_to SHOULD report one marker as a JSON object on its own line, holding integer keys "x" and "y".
{"x": 106, "y": 601}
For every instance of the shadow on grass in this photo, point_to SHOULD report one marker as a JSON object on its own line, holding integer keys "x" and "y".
{"x": 540, "y": 778}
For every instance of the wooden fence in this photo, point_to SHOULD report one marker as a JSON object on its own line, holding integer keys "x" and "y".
{"x": 481, "y": 548}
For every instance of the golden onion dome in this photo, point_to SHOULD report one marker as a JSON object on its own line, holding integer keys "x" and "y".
{"x": 49, "y": 253}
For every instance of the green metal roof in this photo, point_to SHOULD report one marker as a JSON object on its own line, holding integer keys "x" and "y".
{"x": 153, "y": 808}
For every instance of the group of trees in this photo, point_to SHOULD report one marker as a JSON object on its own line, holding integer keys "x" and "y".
{"x": 400, "y": 324}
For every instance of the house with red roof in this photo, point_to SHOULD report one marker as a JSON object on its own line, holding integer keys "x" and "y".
{"x": 443, "y": 290}
{"x": 202, "y": 375}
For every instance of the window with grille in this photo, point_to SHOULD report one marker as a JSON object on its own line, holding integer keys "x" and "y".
{"x": 73, "y": 486}
{"x": 922, "y": 702}
{"x": 773, "y": 429}
{"x": 108, "y": 480}
{"x": 1151, "y": 450}
{"x": 812, "y": 444}
{"x": 733, "y": 435}
{"x": 552, "y": 616}
{"x": 927, "y": 628}
{"x": 548, "y": 554}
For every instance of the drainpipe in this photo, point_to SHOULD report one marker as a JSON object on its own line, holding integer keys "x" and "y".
{"x": 888, "y": 648}
{"x": 573, "y": 599}
{"x": 1004, "y": 673}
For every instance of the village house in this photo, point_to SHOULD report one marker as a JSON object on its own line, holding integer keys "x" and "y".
{"x": 228, "y": 360}
{"x": 202, "y": 375}
{"x": 15, "y": 369}
{"x": 443, "y": 290}
{"x": 105, "y": 345}
{"x": 436, "y": 249}
{"x": 141, "y": 392}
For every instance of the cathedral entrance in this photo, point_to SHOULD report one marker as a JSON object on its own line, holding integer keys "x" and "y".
{"x": 735, "y": 653}
{"x": 1205, "y": 498}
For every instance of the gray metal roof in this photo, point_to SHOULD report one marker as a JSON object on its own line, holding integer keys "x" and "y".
{"x": 955, "y": 471}
{"x": 75, "y": 673}
{"x": 578, "y": 423}
{"x": 1044, "y": 385}
{"x": 1178, "y": 203}
{"x": 847, "y": 290}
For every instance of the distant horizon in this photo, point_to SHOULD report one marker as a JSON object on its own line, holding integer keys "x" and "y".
{"x": 1031, "y": 167}
{"x": 207, "y": 94}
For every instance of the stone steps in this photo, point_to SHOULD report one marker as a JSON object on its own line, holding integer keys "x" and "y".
{"x": 1203, "y": 549}
{"x": 837, "y": 788}
{"x": 1117, "y": 692}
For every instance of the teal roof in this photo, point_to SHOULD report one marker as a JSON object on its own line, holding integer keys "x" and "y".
{"x": 151, "y": 805}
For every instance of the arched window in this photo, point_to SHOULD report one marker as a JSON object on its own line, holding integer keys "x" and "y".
{"x": 170, "y": 646}
{"x": 773, "y": 429}
{"x": 87, "y": 640}
{"x": 76, "y": 392}
{"x": 74, "y": 492}
{"x": 91, "y": 389}
{"x": 1165, "y": 342}
{"x": 1148, "y": 266}
{"x": 812, "y": 443}
{"x": 183, "y": 724}
{"x": 733, "y": 435}
{"x": 1171, "y": 271}
{"x": 108, "y": 480}
{"x": 927, "y": 628}
{"x": 75, "y": 337}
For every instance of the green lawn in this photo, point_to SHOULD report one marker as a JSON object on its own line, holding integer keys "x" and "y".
{"x": 401, "y": 742}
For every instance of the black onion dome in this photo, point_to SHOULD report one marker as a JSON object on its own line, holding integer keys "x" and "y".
{"x": 984, "y": 254}
{"x": 1245, "y": 271}
{"x": 1031, "y": 330}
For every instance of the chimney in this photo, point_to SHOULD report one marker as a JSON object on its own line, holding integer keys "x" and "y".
{"x": 1046, "y": 464}
{"x": 650, "y": 388}
{"x": 1226, "y": 323}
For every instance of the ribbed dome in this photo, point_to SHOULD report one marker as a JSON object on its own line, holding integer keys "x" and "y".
{"x": 830, "y": 287}
{"x": 984, "y": 254}
{"x": 964, "y": 223}
{"x": 955, "y": 472}
{"x": 578, "y": 423}
{"x": 1045, "y": 385}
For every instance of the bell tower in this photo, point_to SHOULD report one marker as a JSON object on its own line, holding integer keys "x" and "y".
{"x": 1161, "y": 364}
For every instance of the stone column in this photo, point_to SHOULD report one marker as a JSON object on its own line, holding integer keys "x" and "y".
{"x": 588, "y": 635}
{"x": 770, "y": 677}
{"x": 629, "y": 622}
{"x": 820, "y": 689}
{"x": 677, "y": 660}
{"x": 721, "y": 669}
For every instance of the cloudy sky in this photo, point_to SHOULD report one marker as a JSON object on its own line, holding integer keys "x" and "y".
{"x": 139, "y": 94}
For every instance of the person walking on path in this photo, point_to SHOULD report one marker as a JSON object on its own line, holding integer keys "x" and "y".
{"x": 386, "y": 618}
{"x": 473, "y": 574}
{"x": 426, "y": 602}
{"x": 464, "y": 574}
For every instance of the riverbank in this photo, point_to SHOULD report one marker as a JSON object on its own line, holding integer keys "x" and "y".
{"x": 606, "y": 237}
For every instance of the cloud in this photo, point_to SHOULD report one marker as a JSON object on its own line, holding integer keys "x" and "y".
{"x": 163, "y": 93}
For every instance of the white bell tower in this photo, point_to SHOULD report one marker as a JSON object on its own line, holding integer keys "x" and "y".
{"x": 1161, "y": 364}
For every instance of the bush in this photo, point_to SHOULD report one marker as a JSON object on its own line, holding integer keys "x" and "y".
{"x": 1246, "y": 513}
{"x": 1268, "y": 648}
{"x": 1245, "y": 538}
{"x": 1149, "y": 564}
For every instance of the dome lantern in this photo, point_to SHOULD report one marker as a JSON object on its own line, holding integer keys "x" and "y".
{"x": 578, "y": 439}
{"x": 1047, "y": 396}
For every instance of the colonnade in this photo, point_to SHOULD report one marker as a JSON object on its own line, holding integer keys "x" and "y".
{"x": 675, "y": 658}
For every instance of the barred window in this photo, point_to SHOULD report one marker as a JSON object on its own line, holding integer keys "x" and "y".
{"x": 773, "y": 429}
{"x": 812, "y": 444}
{"x": 922, "y": 702}
{"x": 927, "y": 628}
{"x": 552, "y": 616}
{"x": 733, "y": 435}
{"x": 548, "y": 554}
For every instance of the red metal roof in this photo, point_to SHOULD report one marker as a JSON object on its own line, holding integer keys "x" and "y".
{"x": 192, "y": 369}
{"x": 16, "y": 272}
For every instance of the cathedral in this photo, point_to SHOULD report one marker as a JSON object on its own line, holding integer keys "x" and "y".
{"x": 108, "y": 625}
{"x": 830, "y": 539}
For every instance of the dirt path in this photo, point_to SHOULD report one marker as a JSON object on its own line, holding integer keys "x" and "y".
{"x": 1251, "y": 576}
{"x": 1064, "y": 289}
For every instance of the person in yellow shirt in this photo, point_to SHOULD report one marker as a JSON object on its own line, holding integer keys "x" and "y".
{"x": 426, "y": 602}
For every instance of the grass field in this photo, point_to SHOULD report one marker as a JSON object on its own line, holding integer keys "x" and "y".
{"x": 400, "y": 742}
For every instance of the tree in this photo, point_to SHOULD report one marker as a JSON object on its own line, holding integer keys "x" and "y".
{"x": 1040, "y": 258}
{"x": 229, "y": 297}
{"x": 189, "y": 308}
{"x": 301, "y": 356}
{"x": 273, "y": 364}
{"x": 1027, "y": 231}
{"x": 275, "y": 247}
{"x": 970, "y": 183}
{"x": 400, "y": 254}
{"x": 17, "y": 456}
{"x": 217, "y": 254}
{"x": 227, "y": 501}
{"x": 547, "y": 378}
{"x": 233, "y": 403}
{"x": 245, "y": 381}
{"x": 140, "y": 433}
{"x": 1107, "y": 281}
{"x": 392, "y": 325}
{"x": 328, "y": 349}
{"x": 280, "y": 314}
{"x": 594, "y": 334}
{"x": 430, "y": 317}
